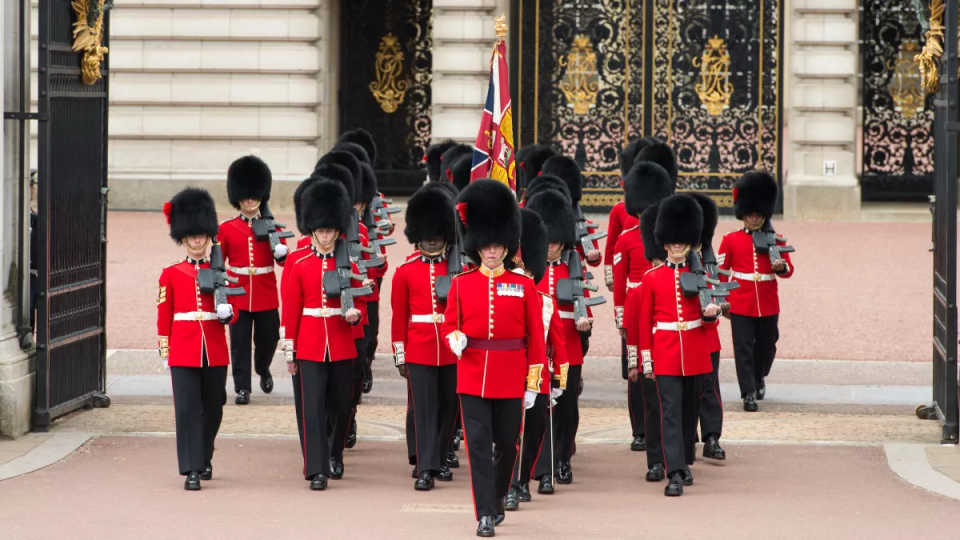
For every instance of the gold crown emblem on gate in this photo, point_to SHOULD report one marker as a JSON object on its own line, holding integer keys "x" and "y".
{"x": 714, "y": 87}
{"x": 387, "y": 89}
{"x": 581, "y": 83}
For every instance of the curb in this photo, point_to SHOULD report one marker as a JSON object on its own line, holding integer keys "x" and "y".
{"x": 909, "y": 461}
{"x": 52, "y": 450}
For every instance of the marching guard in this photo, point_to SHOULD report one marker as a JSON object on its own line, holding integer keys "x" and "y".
{"x": 493, "y": 324}
{"x": 418, "y": 299}
{"x": 619, "y": 219}
{"x": 191, "y": 335}
{"x": 320, "y": 327}
{"x": 251, "y": 261}
{"x": 755, "y": 305}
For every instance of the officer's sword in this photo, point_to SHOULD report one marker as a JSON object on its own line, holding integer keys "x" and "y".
{"x": 520, "y": 456}
{"x": 552, "y": 462}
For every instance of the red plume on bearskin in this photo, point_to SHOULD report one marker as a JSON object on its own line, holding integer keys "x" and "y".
{"x": 736, "y": 192}
{"x": 462, "y": 210}
{"x": 167, "y": 208}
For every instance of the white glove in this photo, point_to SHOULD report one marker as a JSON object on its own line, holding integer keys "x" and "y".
{"x": 280, "y": 251}
{"x": 458, "y": 342}
{"x": 166, "y": 365}
{"x": 529, "y": 398}
{"x": 224, "y": 312}
{"x": 555, "y": 393}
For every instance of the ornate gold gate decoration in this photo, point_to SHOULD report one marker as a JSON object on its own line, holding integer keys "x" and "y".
{"x": 906, "y": 84}
{"x": 388, "y": 89}
{"x": 714, "y": 88}
{"x": 581, "y": 83}
{"x": 88, "y": 37}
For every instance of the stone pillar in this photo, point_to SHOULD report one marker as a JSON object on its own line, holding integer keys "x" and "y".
{"x": 463, "y": 36}
{"x": 822, "y": 84}
{"x": 17, "y": 369}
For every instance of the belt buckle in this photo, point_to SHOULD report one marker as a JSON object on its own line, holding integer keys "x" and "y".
{"x": 437, "y": 318}
{"x": 756, "y": 276}
{"x": 199, "y": 316}
{"x": 252, "y": 270}
{"x": 324, "y": 312}
{"x": 681, "y": 326}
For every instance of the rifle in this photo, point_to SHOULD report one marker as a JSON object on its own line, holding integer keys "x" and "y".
{"x": 696, "y": 282}
{"x": 375, "y": 231}
{"x": 571, "y": 290}
{"x": 265, "y": 228}
{"x": 455, "y": 260}
{"x": 336, "y": 283}
{"x": 765, "y": 242}
{"x": 214, "y": 280}
{"x": 584, "y": 236}
{"x": 355, "y": 248}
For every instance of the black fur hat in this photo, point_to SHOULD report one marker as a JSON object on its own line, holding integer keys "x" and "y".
{"x": 557, "y": 214}
{"x": 248, "y": 178}
{"x": 191, "y": 212}
{"x": 339, "y": 173}
{"x": 364, "y": 139}
{"x": 326, "y": 206}
{"x": 533, "y": 244}
{"x": 459, "y": 171}
{"x": 569, "y": 172}
{"x": 546, "y": 181}
{"x": 488, "y": 214}
{"x": 433, "y": 158}
{"x": 755, "y": 191}
{"x": 530, "y": 160}
{"x": 679, "y": 221}
{"x": 711, "y": 215}
{"x": 355, "y": 149}
{"x": 430, "y": 214}
{"x": 449, "y": 157}
{"x": 298, "y": 202}
{"x": 646, "y": 184}
{"x": 345, "y": 159}
{"x": 648, "y": 224}
{"x": 368, "y": 185}
{"x": 629, "y": 153}
{"x": 661, "y": 154}
{"x": 447, "y": 187}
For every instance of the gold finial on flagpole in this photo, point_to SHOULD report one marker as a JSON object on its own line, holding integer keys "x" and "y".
{"x": 501, "y": 26}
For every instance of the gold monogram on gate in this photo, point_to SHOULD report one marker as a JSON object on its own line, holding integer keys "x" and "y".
{"x": 581, "y": 83}
{"x": 714, "y": 88}
{"x": 906, "y": 82}
{"x": 387, "y": 89}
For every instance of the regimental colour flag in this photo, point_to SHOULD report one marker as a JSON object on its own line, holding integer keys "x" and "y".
{"x": 493, "y": 153}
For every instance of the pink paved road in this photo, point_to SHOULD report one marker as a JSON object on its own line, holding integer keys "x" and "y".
{"x": 128, "y": 488}
{"x": 862, "y": 291}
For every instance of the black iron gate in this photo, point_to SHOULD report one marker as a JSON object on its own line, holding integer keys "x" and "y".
{"x": 702, "y": 75}
{"x": 946, "y": 127}
{"x": 385, "y": 77}
{"x": 72, "y": 173}
{"x": 897, "y": 146}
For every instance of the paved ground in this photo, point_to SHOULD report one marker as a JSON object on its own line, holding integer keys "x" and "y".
{"x": 861, "y": 292}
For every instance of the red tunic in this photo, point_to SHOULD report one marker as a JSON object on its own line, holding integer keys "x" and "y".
{"x": 417, "y": 313}
{"x": 757, "y": 295}
{"x": 187, "y": 320}
{"x": 676, "y": 351}
{"x": 303, "y": 249}
{"x": 495, "y": 305}
{"x": 251, "y": 262}
{"x": 557, "y": 270}
{"x": 315, "y": 335}
{"x": 629, "y": 266}
{"x": 554, "y": 328}
{"x": 619, "y": 221}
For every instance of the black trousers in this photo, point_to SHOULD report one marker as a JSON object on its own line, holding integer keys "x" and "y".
{"x": 634, "y": 395}
{"x": 198, "y": 398}
{"x": 411, "y": 430}
{"x": 341, "y": 421}
{"x": 535, "y": 422}
{"x": 566, "y": 419}
{"x": 326, "y": 388}
{"x": 650, "y": 401}
{"x": 585, "y": 341}
{"x": 711, "y": 406}
{"x": 298, "y": 400}
{"x": 491, "y": 428}
{"x": 373, "y": 332}
{"x": 263, "y": 328}
{"x": 434, "y": 394}
{"x": 754, "y": 348}
{"x": 679, "y": 411}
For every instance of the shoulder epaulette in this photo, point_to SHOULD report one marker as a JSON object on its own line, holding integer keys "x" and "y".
{"x": 408, "y": 261}
{"x": 466, "y": 272}
{"x": 301, "y": 259}
{"x": 625, "y": 231}
{"x": 651, "y": 270}
{"x": 518, "y": 271}
{"x": 731, "y": 232}
{"x": 229, "y": 220}
{"x": 171, "y": 265}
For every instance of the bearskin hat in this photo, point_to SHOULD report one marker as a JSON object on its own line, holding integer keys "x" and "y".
{"x": 447, "y": 187}
{"x": 546, "y": 181}
{"x": 191, "y": 212}
{"x": 298, "y": 202}
{"x": 488, "y": 214}
{"x": 711, "y": 215}
{"x": 459, "y": 171}
{"x": 364, "y": 139}
{"x": 326, "y": 205}
{"x": 533, "y": 244}
{"x": 557, "y": 214}
{"x": 646, "y": 184}
{"x": 339, "y": 173}
{"x": 430, "y": 214}
{"x": 629, "y": 153}
{"x": 661, "y": 154}
{"x": 248, "y": 178}
{"x": 355, "y": 149}
{"x": 368, "y": 185}
{"x": 530, "y": 160}
{"x": 568, "y": 171}
{"x": 345, "y": 159}
{"x": 433, "y": 158}
{"x": 679, "y": 221}
{"x": 648, "y": 224}
{"x": 755, "y": 191}
{"x": 449, "y": 157}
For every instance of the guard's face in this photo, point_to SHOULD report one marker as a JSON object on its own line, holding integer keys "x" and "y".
{"x": 197, "y": 242}
{"x": 553, "y": 250}
{"x": 753, "y": 221}
{"x": 249, "y": 205}
{"x": 432, "y": 245}
{"x": 678, "y": 250}
{"x": 493, "y": 253}
{"x": 325, "y": 237}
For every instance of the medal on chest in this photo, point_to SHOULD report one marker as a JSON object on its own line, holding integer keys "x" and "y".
{"x": 510, "y": 289}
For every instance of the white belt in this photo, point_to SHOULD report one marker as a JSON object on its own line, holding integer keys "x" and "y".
{"x": 756, "y": 276}
{"x": 322, "y": 312}
{"x": 435, "y": 318}
{"x": 195, "y": 316}
{"x": 679, "y": 326}
{"x": 632, "y": 284}
{"x": 251, "y": 270}
{"x": 566, "y": 315}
